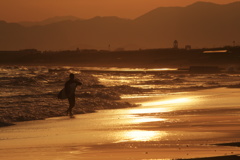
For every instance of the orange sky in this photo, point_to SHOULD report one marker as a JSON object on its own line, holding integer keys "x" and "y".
{"x": 36, "y": 10}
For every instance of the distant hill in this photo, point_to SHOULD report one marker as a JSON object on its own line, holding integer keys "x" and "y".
{"x": 201, "y": 24}
{"x": 49, "y": 21}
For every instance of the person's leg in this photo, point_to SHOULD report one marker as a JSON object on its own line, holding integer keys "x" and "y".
{"x": 71, "y": 101}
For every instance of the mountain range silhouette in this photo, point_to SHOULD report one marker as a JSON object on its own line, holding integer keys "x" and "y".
{"x": 201, "y": 24}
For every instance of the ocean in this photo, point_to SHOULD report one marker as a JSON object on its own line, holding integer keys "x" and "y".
{"x": 30, "y": 92}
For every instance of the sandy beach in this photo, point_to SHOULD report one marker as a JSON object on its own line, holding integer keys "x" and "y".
{"x": 175, "y": 126}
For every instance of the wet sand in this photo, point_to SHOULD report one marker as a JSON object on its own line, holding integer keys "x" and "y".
{"x": 173, "y": 126}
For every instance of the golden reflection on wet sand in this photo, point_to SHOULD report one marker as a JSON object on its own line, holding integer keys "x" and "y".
{"x": 148, "y": 110}
{"x": 172, "y": 101}
{"x": 142, "y": 135}
{"x": 147, "y": 119}
{"x": 150, "y": 107}
{"x": 159, "y": 106}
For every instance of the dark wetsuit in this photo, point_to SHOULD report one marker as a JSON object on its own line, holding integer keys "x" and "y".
{"x": 70, "y": 87}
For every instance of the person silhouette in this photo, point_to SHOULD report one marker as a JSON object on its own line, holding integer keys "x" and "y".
{"x": 70, "y": 87}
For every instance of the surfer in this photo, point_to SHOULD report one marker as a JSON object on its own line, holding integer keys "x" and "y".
{"x": 70, "y": 87}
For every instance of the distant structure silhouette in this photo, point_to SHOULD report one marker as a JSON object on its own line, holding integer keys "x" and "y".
{"x": 188, "y": 47}
{"x": 175, "y": 44}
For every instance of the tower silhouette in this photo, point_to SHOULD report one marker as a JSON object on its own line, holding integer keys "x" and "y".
{"x": 175, "y": 44}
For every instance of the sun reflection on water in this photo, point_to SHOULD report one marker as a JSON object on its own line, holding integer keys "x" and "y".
{"x": 140, "y": 115}
{"x": 148, "y": 110}
{"x": 147, "y": 119}
{"x": 158, "y": 106}
{"x": 172, "y": 101}
{"x": 142, "y": 136}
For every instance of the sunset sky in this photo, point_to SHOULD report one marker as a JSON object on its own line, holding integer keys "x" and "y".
{"x": 37, "y": 10}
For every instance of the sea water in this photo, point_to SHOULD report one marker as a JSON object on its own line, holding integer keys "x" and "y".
{"x": 42, "y": 81}
{"x": 38, "y": 86}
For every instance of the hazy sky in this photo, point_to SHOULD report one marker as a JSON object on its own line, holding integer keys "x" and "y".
{"x": 36, "y": 10}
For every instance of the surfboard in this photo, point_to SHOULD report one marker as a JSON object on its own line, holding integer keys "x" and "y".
{"x": 62, "y": 94}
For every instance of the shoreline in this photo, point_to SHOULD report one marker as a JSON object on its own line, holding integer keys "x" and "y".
{"x": 92, "y": 106}
{"x": 59, "y": 111}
